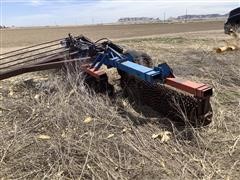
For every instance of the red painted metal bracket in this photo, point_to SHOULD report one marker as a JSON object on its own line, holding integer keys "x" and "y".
{"x": 197, "y": 89}
{"x": 93, "y": 72}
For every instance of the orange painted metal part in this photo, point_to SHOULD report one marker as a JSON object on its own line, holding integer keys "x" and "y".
{"x": 92, "y": 71}
{"x": 197, "y": 89}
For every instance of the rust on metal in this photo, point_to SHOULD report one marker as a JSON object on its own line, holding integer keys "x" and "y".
{"x": 30, "y": 51}
{"x": 44, "y": 64}
{"x": 92, "y": 71}
{"x": 34, "y": 59}
{"x": 197, "y": 89}
{"x": 48, "y": 42}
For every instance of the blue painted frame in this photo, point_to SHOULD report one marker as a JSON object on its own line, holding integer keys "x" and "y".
{"x": 113, "y": 59}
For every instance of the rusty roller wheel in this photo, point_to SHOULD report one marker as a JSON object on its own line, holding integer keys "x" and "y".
{"x": 99, "y": 86}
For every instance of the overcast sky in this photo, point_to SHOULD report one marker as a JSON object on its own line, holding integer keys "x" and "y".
{"x": 74, "y": 12}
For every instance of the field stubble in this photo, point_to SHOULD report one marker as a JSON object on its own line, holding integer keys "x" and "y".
{"x": 91, "y": 136}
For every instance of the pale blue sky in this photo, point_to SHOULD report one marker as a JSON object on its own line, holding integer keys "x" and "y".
{"x": 74, "y": 12}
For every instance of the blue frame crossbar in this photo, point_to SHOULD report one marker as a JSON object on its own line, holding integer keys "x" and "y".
{"x": 125, "y": 63}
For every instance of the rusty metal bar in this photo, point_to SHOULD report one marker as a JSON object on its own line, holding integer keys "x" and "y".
{"x": 46, "y": 60}
{"x": 197, "y": 89}
{"x": 38, "y": 67}
{"x": 31, "y": 56}
{"x": 34, "y": 59}
{"x": 52, "y": 65}
{"x": 30, "y": 51}
{"x": 54, "y": 59}
{"x": 48, "y": 42}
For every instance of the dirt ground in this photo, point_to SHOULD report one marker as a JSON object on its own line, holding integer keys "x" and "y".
{"x": 53, "y": 128}
{"x": 25, "y": 37}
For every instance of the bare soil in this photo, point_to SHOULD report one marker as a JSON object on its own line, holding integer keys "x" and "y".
{"x": 28, "y": 36}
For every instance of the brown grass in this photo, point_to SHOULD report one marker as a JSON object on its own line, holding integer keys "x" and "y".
{"x": 85, "y": 150}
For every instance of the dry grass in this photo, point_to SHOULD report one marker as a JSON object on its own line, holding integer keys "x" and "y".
{"x": 118, "y": 143}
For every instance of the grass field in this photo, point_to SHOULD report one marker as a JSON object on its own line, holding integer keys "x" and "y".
{"x": 53, "y": 128}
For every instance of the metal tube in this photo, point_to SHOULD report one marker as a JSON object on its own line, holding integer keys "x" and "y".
{"x": 37, "y": 67}
{"x": 31, "y": 56}
{"x": 30, "y": 51}
{"x": 31, "y": 46}
{"x": 58, "y": 53}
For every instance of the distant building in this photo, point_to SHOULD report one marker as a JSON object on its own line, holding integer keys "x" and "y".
{"x": 202, "y": 16}
{"x": 183, "y": 18}
{"x": 138, "y": 20}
